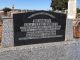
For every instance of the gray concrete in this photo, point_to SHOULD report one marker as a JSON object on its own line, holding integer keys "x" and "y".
{"x": 7, "y": 34}
{"x": 69, "y": 30}
{"x": 69, "y": 50}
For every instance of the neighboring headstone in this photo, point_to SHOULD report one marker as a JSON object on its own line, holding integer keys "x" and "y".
{"x": 39, "y": 27}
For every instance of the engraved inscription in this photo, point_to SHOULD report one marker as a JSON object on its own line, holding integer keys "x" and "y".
{"x": 40, "y": 28}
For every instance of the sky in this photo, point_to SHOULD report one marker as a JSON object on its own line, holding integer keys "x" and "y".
{"x": 29, "y": 4}
{"x": 78, "y": 3}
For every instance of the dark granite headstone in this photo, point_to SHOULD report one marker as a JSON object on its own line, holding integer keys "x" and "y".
{"x": 39, "y": 27}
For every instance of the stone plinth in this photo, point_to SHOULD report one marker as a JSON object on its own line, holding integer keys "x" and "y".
{"x": 7, "y": 34}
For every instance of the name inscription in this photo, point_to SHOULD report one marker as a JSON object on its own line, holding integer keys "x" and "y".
{"x": 40, "y": 28}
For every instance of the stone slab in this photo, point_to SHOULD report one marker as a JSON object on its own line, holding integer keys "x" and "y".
{"x": 69, "y": 50}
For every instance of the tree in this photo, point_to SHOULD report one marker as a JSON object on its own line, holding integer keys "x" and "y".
{"x": 6, "y": 9}
{"x": 59, "y": 4}
{"x": 78, "y": 10}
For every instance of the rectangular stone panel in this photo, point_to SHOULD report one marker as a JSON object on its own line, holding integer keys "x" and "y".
{"x": 38, "y": 27}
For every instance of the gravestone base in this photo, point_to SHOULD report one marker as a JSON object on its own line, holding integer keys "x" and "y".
{"x": 67, "y": 50}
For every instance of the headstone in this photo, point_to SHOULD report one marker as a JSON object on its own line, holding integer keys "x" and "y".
{"x": 20, "y": 32}
{"x": 39, "y": 27}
